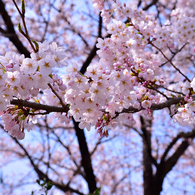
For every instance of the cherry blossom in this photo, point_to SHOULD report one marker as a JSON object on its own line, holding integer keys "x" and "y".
{"x": 128, "y": 74}
{"x": 115, "y": 79}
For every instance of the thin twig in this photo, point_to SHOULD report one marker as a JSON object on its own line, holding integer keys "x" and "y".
{"x": 26, "y": 35}
{"x": 61, "y": 101}
{"x": 150, "y": 42}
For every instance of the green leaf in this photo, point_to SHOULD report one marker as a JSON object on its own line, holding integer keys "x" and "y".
{"x": 44, "y": 185}
{"x": 96, "y": 192}
{"x": 36, "y": 45}
{"x": 23, "y": 7}
{"x": 49, "y": 186}
{"x": 20, "y": 28}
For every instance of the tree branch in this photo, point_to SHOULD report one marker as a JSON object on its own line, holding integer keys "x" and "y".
{"x": 86, "y": 158}
{"x": 148, "y": 159}
{"x": 160, "y": 106}
{"x": 10, "y": 31}
{"x": 41, "y": 175}
{"x": 94, "y": 50}
{"x": 154, "y": 2}
{"x": 171, "y": 161}
{"x": 180, "y": 135}
{"x": 49, "y": 109}
{"x": 165, "y": 166}
{"x": 147, "y": 140}
{"x": 38, "y": 106}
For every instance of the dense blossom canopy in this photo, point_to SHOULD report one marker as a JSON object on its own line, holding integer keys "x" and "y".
{"x": 140, "y": 68}
{"x": 124, "y": 69}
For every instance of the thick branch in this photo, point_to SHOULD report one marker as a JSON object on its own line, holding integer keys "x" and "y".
{"x": 171, "y": 161}
{"x": 89, "y": 59}
{"x": 38, "y": 106}
{"x": 180, "y": 135}
{"x": 160, "y": 106}
{"x": 166, "y": 166}
{"x": 100, "y": 26}
{"x": 49, "y": 109}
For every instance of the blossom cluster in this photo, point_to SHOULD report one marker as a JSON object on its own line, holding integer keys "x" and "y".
{"x": 134, "y": 39}
{"x": 129, "y": 74}
{"x": 23, "y": 78}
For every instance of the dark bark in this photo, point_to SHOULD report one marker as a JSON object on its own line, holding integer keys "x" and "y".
{"x": 85, "y": 158}
{"x": 37, "y": 106}
{"x": 89, "y": 59}
{"x": 147, "y": 158}
{"x": 147, "y": 170}
{"x": 153, "y": 181}
{"x": 166, "y": 166}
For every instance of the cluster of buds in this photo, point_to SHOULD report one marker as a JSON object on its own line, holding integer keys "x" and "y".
{"x": 102, "y": 124}
{"x": 15, "y": 120}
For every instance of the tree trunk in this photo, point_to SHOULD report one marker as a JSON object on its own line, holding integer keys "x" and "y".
{"x": 147, "y": 167}
{"x": 85, "y": 158}
{"x": 147, "y": 160}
